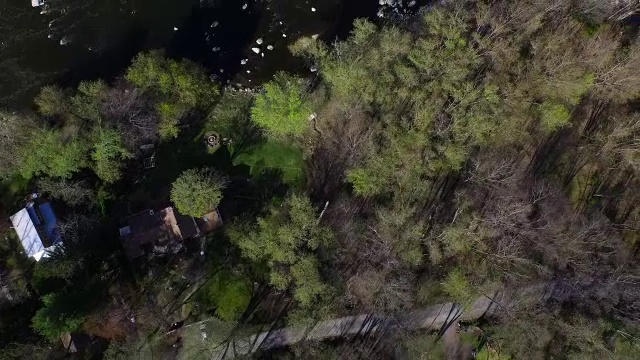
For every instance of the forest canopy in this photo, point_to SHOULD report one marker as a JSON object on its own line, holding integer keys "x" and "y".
{"x": 475, "y": 156}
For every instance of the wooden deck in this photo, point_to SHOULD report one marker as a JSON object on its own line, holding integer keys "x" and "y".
{"x": 209, "y": 222}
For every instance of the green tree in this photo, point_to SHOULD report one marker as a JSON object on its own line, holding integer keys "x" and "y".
{"x": 229, "y": 294}
{"x": 59, "y": 315}
{"x": 51, "y": 101}
{"x": 286, "y": 239}
{"x": 108, "y": 155}
{"x": 87, "y": 102}
{"x": 282, "y": 109}
{"x": 170, "y": 115}
{"x": 177, "y": 81}
{"x": 197, "y": 191}
{"x": 553, "y": 116}
{"x": 48, "y": 152}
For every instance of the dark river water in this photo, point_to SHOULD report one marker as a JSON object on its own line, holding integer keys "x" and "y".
{"x": 241, "y": 42}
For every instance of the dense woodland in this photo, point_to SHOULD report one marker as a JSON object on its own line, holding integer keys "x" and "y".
{"x": 472, "y": 148}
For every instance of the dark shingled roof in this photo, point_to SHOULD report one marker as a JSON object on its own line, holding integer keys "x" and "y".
{"x": 157, "y": 228}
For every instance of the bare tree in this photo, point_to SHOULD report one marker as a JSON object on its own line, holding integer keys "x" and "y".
{"x": 72, "y": 192}
{"x": 133, "y": 114}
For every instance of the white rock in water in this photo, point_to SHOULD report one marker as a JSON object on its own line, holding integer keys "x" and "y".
{"x": 259, "y": 41}
{"x": 248, "y": 71}
{"x": 222, "y": 70}
{"x": 284, "y": 35}
{"x": 243, "y": 62}
{"x": 262, "y": 54}
{"x": 256, "y": 50}
{"x": 269, "y": 47}
{"x": 214, "y": 24}
{"x": 412, "y": 3}
{"x": 313, "y": 9}
{"x": 175, "y": 28}
{"x": 280, "y": 22}
{"x": 244, "y": 7}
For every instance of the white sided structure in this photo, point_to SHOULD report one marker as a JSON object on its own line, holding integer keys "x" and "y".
{"x": 29, "y": 236}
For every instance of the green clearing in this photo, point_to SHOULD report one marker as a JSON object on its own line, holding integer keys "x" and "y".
{"x": 273, "y": 155}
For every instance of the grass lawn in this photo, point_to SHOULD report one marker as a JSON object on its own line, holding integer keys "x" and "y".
{"x": 273, "y": 155}
{"x": 172, "y": 158}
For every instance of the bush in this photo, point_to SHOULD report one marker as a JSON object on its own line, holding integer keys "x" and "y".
{"x": 228, "y": 293}
{"x": 553, "y": 116}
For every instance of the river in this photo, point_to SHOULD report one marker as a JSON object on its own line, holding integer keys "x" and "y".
{"x": 241, "y": 42}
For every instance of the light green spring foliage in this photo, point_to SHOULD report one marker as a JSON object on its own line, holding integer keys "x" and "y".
{"x": 56, "y": 317}
{"x": 170, "y": 115}
{"x": 229, "y": 294}
{"x": 197, "y": 191}
{"x": 553, "y": 116}
{"x": 282, "y": 109}
{"x": 109, "y": 154}
{"x": 457, "y": 286}
{"x": 396, "y": 75}
{"x": 177, "y": 86}
{"x": 434, "y": 96}
{"x": 51, "y": 101}
{"x": 86, "y": 104}
{"x": 286, "y": 239}
{"x": 49, "y": 153}
{"x": 177, "y": 81}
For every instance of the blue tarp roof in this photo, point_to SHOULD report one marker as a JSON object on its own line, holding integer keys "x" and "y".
{"x": 49, "y": 218}
{"x": 32, "y": 214}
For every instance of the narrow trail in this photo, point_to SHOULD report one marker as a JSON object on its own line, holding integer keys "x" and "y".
{"x": 430, "y": 319}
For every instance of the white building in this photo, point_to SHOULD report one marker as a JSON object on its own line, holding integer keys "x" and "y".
{"x": 36, "y": 229}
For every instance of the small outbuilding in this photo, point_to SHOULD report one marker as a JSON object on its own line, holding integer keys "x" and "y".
{"x": 35, "y": 226}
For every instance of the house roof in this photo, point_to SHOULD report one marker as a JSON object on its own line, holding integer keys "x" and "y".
{"x": 156, "y": 228}
{"x": 28, "y": 234}
{"x": 187, "y": 225}
{"x": 74, "y": 342}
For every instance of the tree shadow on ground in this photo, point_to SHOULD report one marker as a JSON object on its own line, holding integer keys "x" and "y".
{"x": 172, "y": 158}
